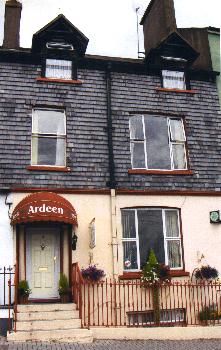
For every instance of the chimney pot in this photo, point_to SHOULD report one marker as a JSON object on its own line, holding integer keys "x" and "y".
{"x": 12, "y": 24}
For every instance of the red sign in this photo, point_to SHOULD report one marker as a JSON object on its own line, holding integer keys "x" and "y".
{"x": 44, "y": 206}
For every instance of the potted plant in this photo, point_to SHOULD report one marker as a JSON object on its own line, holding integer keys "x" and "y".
{"x": 92, "y": 273}
{"x": 64, "y": 289}
{"x": 206, "y": 272}
{"x": 208, "y": 314}
{"x": 154, "y": 273}
{"x": 23, "y": 291}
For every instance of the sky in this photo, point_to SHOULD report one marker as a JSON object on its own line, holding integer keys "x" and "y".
{"x": 110, "y": 25}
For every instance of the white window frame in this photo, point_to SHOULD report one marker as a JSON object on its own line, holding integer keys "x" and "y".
{"x": 48, "y": 135}
{"x": 166, "y": 239}
{"x": 176, "y": 142}
{"x": 142, "y": 141}
{"x": 170, "y": 144}
{"x": 171, "y": 73}
{"x": 50, "y": 76}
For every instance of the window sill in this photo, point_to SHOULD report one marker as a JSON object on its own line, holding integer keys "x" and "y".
{"x": 137, "y": 275}
{"x": 160, "y": 172}
{"x": 47, "y": 168}
{"x": 176, "y": 90}
{"x": 65, "y": 81}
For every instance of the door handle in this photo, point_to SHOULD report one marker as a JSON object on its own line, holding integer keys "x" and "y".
{"x": 55, "y": 258}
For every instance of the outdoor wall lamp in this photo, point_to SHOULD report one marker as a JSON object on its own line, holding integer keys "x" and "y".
{"x": 74, "y": 241}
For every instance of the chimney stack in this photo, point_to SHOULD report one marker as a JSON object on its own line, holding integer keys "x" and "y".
{"x": 12, "y": 24}
{"x": 158, "y": 22}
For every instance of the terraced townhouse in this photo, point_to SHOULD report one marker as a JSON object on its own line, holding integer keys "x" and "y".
{"x": 103, "y": 159}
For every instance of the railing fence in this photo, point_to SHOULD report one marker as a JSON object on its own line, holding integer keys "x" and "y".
{"x": 113, "y": 303}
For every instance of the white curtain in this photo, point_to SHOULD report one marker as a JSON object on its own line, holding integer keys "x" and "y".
{"x": 58, "y": 69}
{"x": 173, "y": 80}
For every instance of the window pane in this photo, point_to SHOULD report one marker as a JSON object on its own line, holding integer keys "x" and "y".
{"x": 60, "y": 69}
{"x": 158, "y": 152}
{"x": 130, "y": 255}
{"x": 179, "y": 157}
{"x": 48, "y": 122}
{"x": 174, "y": 255}
{"x": 173, "y": 80}
{"x": 48, "y": 151}
{"x": 138, "y": 155}
{"x": 176, "y": 126}
{"x": 128, "y": 220}
{"x": 150, "y": 230}
{"x": 136, "y": 128}
{"x": 172, "y": 228}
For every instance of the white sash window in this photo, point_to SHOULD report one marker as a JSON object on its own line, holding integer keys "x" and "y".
{"x": 48, "y": 137}
{"x": 157, "y": 143}
{"x": 58, "y": 69}
{"x": 173, "y": 80}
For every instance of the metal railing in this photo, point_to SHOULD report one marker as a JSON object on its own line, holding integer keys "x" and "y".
{"x": 6, "y": 273}
{"x": 13, "y": 302}
{"x": 115, "y": 303}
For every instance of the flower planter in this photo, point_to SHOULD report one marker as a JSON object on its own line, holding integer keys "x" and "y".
{"x": 23, "y": 299}
{"x": 64, "y": 298}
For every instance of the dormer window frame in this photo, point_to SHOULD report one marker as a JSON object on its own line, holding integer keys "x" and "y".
{"x": 175, "y": 64}
{"x": 58, "y": 54}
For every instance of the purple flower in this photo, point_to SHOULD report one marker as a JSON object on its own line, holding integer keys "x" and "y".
{"x": 92, "y": 273}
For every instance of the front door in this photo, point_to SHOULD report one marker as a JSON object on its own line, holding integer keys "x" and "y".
{"x": 43, "y": 262}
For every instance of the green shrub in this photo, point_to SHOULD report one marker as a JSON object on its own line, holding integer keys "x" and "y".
{"x": 63, "y": 286}
{"x": 23, "y": 288}
{"x": 208, "y": 313}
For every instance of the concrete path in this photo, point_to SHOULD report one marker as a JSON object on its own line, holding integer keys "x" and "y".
{"x": 118, "y": 345}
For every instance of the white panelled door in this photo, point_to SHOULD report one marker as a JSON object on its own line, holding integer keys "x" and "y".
{"x": 44, "y": 259}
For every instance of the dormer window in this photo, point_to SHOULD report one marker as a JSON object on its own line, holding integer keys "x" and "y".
{"x": 173, "y": 79}
{"x": 59, "y": 46}
{"x": 58, "y": 69}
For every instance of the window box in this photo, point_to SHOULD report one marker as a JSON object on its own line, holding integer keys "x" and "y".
{"x": 137, "y": 275}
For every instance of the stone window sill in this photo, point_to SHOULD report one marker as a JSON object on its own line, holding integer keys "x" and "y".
{"x": 47, "y": 168}
{"x": 137, "y": 275}
{"x": 62, "y": 81}
{"x": 160, "y": 172}
{"x": 176, "y": 91}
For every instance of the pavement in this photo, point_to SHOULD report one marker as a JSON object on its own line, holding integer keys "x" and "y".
{"x": 117, "y": 345}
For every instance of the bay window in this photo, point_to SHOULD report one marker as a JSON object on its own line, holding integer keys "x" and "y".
{"x": 48, "y": 137}
{"x": 151, "y": 228}
{"x": 157, "y": 142}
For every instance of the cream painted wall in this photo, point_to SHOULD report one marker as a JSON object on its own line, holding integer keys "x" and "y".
{"x": 88, "y": 207}
{"x": 199, "y": 236}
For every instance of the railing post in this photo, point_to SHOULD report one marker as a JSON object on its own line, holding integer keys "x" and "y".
{"x": 9, "y": 306}
{"x": 80, "y": 303}
{"x": 89, "y": 305}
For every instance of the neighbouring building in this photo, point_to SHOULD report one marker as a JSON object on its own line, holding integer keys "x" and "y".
{"x": 122, "y": 155}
